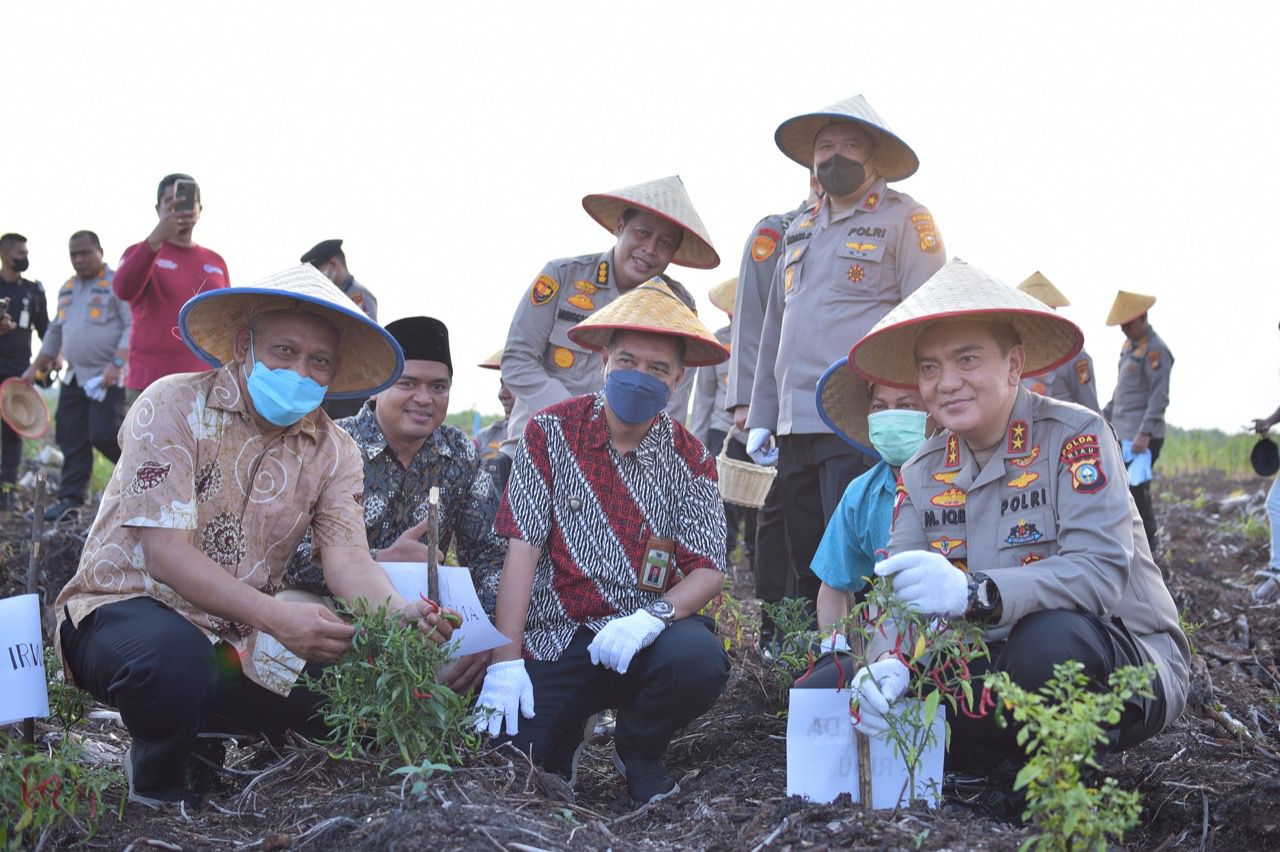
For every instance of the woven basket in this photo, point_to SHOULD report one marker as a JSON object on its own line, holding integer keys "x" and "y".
{"x": 743, "y": 483}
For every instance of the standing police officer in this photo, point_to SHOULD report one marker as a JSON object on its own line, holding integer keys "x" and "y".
{"x": 26, "y": 309}
{"x": 1073, "y": 380}
{"x": 843, "y": 267}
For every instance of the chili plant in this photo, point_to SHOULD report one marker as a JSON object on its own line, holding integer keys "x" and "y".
{"x": 383, "y": 693}
{"x": 1061, "y": 726}
{"x": 44, "y": 790}
{"x": 67, "y": 704}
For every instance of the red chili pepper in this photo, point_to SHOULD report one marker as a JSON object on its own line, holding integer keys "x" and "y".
{"x": 371, "y": 659}
{"x": 809, "y": 670}
{"x": 420, "y": 695}
{"x": 435, "y": 607}
{"x": 855, "y": 713}
{"x": 25, "y": 790}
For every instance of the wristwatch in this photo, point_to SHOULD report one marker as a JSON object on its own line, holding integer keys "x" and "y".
{"x": 117, "y": 362}
{"x": 984, "y": 598}
{"x": 661, "y": 609}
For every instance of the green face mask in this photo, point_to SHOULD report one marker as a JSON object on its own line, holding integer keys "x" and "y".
{"x": 896, "y": 434}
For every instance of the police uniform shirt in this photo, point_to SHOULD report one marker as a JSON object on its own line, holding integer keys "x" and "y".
{"x": 489, "y": 439}
{"x": 89, "y": 325}
{"x": 1051, "y": 521}
{"x": 540, "y": 364}
{"x": 362, "y": 296}
{"x": 711, "y": 387}
{"x": 1071, "y": 382}
{"x": 755, "y": 275}
{"x": 28, "y": 310}
{"x": 838, "y": 275}
{"x": 1142, "y": 390}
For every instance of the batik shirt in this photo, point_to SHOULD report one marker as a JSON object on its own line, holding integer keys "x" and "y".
{"x": 592, "y": 510}
{"x": 395, "y": 499}
{"x": 193, "y": 458}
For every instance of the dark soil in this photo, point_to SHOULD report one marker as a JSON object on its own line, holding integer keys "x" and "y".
{"x": 1211, "y": 781}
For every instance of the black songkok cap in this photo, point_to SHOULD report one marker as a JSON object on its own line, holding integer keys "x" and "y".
{"x": 322, "y": 251}
{"x": 422, "y": 339}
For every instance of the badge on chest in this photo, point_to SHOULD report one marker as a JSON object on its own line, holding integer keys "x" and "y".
{"x": 659, "y": 564}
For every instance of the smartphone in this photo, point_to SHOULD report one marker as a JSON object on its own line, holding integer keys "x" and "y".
{"x": 4, "y": 304}
{"x": 184, "y": 196}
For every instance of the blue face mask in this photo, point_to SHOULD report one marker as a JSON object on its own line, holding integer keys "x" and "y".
{"x": 281, "y": 396}
{"x": 896, "y": 434}
{"x": 635, "y": 397}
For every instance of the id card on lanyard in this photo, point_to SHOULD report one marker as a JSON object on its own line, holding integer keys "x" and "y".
{"x": 658, "y": 566}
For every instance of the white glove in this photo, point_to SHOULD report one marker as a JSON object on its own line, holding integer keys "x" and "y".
{"x": 94, "y": 389}
{"x": 876, "y": 687}
{"x": 757, "y": 440}
{"x": 623, "y": 638}
{"x": 927, "y": 582}
{"x": 507, "y": 691}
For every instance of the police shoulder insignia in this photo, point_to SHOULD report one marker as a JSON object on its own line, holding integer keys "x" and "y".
{"x": 1023, "y": 533}
{"x": 563, "y": 357}
{"x": 602, "y": 272}
{"x": 952, "y": 458}
{"x": 764, "y": 244}
{"x": 580, "y": 301}
{"x": 873, "y": 200}
{"x": 1082, "y": 456}
{"x": 1017, "y": 436}
{"x": 1082, "y": 371}
{"x": 926, "y": 231}
{"x": 543, "y": 290}
{"x": 856, "y": 273}
{"x": 1153, "y": 358}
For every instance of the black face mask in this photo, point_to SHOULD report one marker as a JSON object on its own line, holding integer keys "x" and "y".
{"x": 841, "y": 176}
{"x": 21, "y": 264}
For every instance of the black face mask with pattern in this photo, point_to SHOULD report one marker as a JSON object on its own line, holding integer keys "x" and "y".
{"x": 840, "y": 176}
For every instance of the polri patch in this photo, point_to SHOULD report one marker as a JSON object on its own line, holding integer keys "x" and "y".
{"x": 926, "y": 231}
{"x": 1083, "y": 457}
{"x": 1023, "y": 533}
{"x": 764, "y": 245}
{"x": 856, "y": 273}
{"x": 543, "y": 290}
{"x": 563, "y": 357}
{"x": 1083, "y": 374}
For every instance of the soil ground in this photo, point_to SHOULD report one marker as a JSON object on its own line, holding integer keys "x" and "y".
{"x": 1209, "y": 781}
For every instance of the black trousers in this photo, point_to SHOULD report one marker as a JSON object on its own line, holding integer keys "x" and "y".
{"x": 170, "y": 684}
{"x": 10, "y": 450}
{"x": 84, "y": 425}
{"x": 734, "y": 515}
{"x": 1142, "y": 496}
{"x": 668, "y": 685}
{"x": 1035, "y": 645}
{"x": 813, "y": 473}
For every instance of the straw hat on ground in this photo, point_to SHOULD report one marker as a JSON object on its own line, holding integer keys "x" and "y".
{"x": 493, "y": 362}
{"x": 665, "y": 197}
{"x": 844, "y": 401}
{"x": 1042, "y": 288}
{"x": 724, "y": 294}
{"x": 1129, "y": 306}
{"x": 23, "y": 408}
{"x": 371, "y": 358}
{"x": 651, "y": 307}
{"x": 960, "y": 292}
{"x": 893, "y": 158}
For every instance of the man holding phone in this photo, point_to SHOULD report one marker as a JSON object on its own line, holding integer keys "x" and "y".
{"x": 157, "y": 276}
{"x": 23, "y": 309}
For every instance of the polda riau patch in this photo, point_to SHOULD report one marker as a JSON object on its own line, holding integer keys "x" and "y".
{"x": 1082, "y": 456}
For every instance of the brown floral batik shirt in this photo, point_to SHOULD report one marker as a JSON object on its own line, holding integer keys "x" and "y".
{"x": 193, "y": 458}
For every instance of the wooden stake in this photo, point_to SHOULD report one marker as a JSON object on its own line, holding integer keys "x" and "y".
{"x": 857, "y": 643}
{"x": 433, "y": 544}
{"x": 33, "y": 564}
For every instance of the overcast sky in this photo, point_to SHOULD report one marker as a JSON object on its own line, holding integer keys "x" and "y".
{"x": 1109, "y": 145}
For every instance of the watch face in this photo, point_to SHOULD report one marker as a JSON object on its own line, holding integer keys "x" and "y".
{"x": 661, "y": 609}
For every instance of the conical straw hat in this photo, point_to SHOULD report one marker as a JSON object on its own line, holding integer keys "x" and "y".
{"x": 23, "y": 408}
{"x": 724, "y": 294}
{"x": 844, "y": 401}
{"x": 665, "y": 197}
{"x": 1129, "y": 306}
{"x": 960, "y": 292}
{"x": 493, "y": 362}
{"x": 1042, "y": 288}
{"x": 651, "y": 307}
{"x": 371, "y": 358}
{"x": 893, "y": 158}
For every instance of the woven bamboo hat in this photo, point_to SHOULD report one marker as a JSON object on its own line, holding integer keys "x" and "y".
{"x": 371, "y": 358}
{"x": 665, "y": 197}
{"x": 960, "y": 292}
{"x": 1129, "y": 306}
{"x": 651, "y": 307}
{"x": 493, "y": 362}
{"x": 893, "y": 158}
{"x": 724, "y": 294}
{"x": 1042, "y": 288}
{"x": 23, "y": 408}
{"x": 844, "y": 401}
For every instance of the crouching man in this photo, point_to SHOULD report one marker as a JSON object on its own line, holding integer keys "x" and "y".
{"x": 220, "y": 474}
{"x": 1018, "y": 515}
{"x": 617, "y": 538}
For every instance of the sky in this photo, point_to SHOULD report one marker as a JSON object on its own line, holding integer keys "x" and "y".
{"x": 1109, "y": 145}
